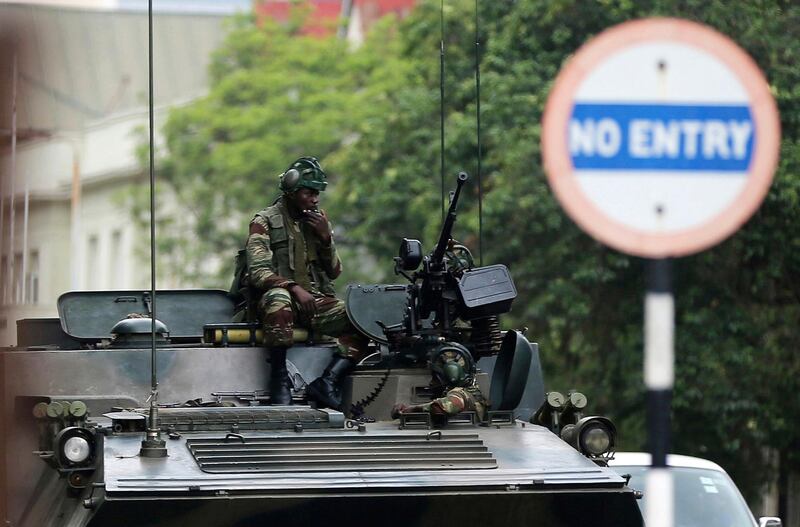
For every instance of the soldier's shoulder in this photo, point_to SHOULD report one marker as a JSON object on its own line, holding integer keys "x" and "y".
{"x": 263, "y": 216}
{"x": 259, "y": 219}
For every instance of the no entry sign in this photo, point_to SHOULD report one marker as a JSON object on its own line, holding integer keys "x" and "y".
{"x": 660, "y": 137}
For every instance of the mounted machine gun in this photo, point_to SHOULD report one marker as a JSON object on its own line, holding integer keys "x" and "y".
{"x": 448, "y": 311}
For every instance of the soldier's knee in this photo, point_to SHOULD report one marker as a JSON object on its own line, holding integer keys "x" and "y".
{"x": 278, "y": 315}
{"x": 274, "y": 298}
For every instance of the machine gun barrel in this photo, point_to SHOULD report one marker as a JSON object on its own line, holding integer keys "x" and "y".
{"x": 450, "y": 219}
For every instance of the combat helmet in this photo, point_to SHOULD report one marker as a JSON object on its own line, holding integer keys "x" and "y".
{"x": 452, "y": 374}
{"x": 452, "y": 366}
{"x": 304, "y": 172}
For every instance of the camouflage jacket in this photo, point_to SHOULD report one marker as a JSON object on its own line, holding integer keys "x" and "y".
{"x": 282, "y": 251}
{"x": 457, "y": 400}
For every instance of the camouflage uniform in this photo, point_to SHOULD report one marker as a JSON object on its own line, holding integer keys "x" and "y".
{"x": 283, "y": 251}
{"x": 455, "y": 401}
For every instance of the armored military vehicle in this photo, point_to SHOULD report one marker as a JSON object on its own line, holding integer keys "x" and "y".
{"x": 77, "y": 390}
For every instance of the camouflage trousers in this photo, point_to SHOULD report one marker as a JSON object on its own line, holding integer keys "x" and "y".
{"x": 279, "y": 314}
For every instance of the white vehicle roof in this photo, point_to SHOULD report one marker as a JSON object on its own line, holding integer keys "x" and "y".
{"x": 642, "y": 459}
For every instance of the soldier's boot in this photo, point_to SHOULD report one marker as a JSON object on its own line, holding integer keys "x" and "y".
{"x": 280, "y": 392}
{"x": 327, "y": 390}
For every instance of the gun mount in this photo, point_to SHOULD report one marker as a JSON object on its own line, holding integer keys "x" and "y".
{"x": 451, "y": 307}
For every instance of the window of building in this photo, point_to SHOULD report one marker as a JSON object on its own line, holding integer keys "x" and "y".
{"x": 92, "y": 254}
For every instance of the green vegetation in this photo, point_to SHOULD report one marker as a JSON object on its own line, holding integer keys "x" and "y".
{"x": 372, "y": 116}
{"x": 274, "y": 96}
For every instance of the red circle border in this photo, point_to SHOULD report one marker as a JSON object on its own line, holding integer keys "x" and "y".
{"x": 558, "y": 164}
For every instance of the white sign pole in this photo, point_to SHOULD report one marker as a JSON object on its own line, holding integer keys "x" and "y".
{"x": 659, "y": 378}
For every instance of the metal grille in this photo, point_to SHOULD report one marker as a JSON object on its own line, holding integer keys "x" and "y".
{"x": 306, "y": 453}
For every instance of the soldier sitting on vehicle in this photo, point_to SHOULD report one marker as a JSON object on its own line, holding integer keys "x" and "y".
{"x": 291, "y": 262}
{"x": 460, "y": 393}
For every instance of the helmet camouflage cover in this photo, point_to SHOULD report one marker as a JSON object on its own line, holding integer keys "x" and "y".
{"x": 304, "y": 172}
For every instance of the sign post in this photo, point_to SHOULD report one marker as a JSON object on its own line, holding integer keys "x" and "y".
{"x": 660, "y": 138}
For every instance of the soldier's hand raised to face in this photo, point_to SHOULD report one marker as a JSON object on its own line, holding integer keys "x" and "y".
{"x": 304, "y": 299}
{"x": 319, "y": 224}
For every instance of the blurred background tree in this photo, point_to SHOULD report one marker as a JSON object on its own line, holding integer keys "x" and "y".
{"x": 371, "y": 115}
{"x": 275, "y": 95}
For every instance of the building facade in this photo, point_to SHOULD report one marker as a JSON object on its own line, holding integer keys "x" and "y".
{"x": 72, "y": 147}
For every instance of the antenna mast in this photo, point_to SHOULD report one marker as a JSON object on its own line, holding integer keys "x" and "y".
{"x": 152, "y": 445}
{"x": 478, "y": 126}
{"x": 441, "y": 97}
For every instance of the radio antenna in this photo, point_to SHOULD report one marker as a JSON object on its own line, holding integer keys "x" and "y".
{"x": 478, "y": 129}
{"x": 152, "y": 444}
{"x": 441, "y": 97}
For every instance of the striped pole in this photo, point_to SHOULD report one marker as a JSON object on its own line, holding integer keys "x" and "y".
{"x": 659, "y": 378}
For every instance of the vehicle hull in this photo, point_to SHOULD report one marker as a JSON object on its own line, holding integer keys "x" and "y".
{"x": 564, "y": 508}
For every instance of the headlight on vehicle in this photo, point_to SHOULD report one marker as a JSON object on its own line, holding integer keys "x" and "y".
{"x": 75, "y": 447}
{"x": 596, "y": 440}
{"x": 592, "y": 436}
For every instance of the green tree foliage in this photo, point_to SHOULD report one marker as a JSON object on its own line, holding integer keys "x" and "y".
{"x": 275, "y": 95}
{"x": 372, "y": 115}
{"x": 737, "y": 304}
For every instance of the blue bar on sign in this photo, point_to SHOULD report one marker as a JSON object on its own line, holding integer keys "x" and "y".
{"x": 661, "y": 137}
